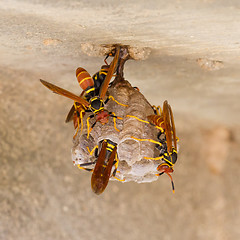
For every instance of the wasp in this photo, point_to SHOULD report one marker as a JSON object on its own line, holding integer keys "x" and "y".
{"x": 167, "y": 139}
{"x": 103, "y": 167}
{"x": 77, "y": 111}
{"x": 105, "y": 160}
{"x": 165, "y": 120}
{"x": 90, "y": 102}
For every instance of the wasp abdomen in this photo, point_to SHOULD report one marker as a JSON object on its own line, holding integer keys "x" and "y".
{"x": 84, "y": 79}
{"x": 156, "y": 120}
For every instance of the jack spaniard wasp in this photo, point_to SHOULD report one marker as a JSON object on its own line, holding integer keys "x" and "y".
{"x": 106, "y": 159}
{"x": 167, "y": 139}
{"x": 77, "y": 111}
{"x": 89, "y": 103}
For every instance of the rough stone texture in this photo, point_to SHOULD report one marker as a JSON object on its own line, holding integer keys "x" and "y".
{"x": 43, "y": 196}
{"x": 136, "y": 53}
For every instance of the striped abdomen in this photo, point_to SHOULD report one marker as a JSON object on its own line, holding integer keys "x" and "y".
{"x": 84, "y": 79}
{"x": 156, "y": 120}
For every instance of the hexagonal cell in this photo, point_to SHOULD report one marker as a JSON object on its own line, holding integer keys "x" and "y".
{"x": 131, "y": 153}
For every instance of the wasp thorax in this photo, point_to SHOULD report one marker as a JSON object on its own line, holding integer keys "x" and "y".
{"x": 96, "y": 104}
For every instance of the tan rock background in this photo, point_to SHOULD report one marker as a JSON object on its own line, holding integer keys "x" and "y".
{"x": 194, "y": 63}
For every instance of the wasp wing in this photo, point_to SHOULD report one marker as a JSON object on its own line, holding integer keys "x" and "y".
{"x": 64, "y": 93}
{"x": 102, "y": 170}
{"x": 70, "y": 114}
{"x": 110, "y": 73}
{"x": 72, "y": 110}
{"x": 167, "y": 125}
{"x": 173, "y": 128}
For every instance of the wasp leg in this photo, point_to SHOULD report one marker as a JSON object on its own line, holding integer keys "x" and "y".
{"x": 91, "y": 152}
{"x": 147, "y": 140}
{"x": 79, "y": 117}
{"x": 120, "y": 180}
{"x": 121, "y": 104}
{"x": 89, "y": 130}
{"x": 115, "y": 170}
{"x": 113, "y": 115}
{"x": 155, "y": 159}
{"x": 161, "y": 129}
{"x": 107, "y": 99}
{"x": 112, "y": 53}
{"x": 82, "y": 166}
{"x": 137, "y": 88}
{"x": 105, "y": 60}
{"x": 157, "y": 110}
{"x": 138, "y": 119}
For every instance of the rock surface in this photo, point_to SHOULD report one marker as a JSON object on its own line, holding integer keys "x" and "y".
{"x": 43, "y": 195}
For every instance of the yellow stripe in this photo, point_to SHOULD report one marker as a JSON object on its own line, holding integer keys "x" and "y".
{"x": 94, "y": 98}
{"x": 156, "y": 159}
{"x": 91, "y": 152}
{"x": 84, "y": 80}
{"x": 159, "y": 122}
{"x": 110, "y": 145}
{"x": 104, "y": 73}
{"x": 124, "y": 105}
{"x": 147, "y": 140}
{"x": 121, "y": 180}
{"x": 82, "y": 168}
{"x": 81, "y": 73}
{"x": 168, "y": 163}
{"x": 161, "y": 129}
{"x": 114, "y": 122}
{"x": 88, "y": 126}
{"x": 138, "y": 119}
{"x": 90, "y": 90}
{"x": 95, "y": 111}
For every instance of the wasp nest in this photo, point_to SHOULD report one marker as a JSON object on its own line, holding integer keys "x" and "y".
{"x": 131, "y": 153}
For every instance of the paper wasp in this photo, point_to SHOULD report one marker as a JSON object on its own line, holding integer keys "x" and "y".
{"x": 77, "y": 111}
{"x": 90, "y": 103}
{"x": 103, "y": 167}
{"x": 167, "y": 139}
{"x": 165, "y": 120}
{"x": 106, "y": 159}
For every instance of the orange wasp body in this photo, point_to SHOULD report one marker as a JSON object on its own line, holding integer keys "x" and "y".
{"x": 89, "y": 102}
{"x": 104, "y": 163}
{"x": 103, "y": 168}
{"x": 165, "y": 121}
{"x": 77, "y": 111}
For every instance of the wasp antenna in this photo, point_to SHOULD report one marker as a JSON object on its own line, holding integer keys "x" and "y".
{"x": 173, "y": 188}
{"x": 92, "y": 127}
{"x": 109, "y": 54}
{"x": 105, "y": 60}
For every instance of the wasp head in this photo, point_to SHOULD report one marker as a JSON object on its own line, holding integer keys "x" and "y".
{"x": 165, "y": 168}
